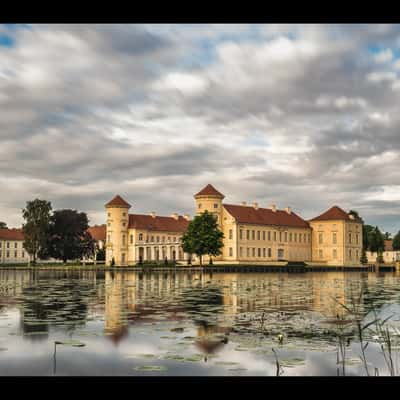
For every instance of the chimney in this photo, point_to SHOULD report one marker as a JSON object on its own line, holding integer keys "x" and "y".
{"x": 153, "y": 214}
{"x": 255, "y": 205}
{"x": 187, "y": 217}
{"x": 288, "y": 210}
{"x": 174, "y": 216}
{"x": 243, "y": 203}
{"x": 272, "y": 207}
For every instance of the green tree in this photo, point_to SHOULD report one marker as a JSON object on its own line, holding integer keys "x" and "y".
{"x": 36, "y": 227}
{"x": 3, "y": 225}
{"x": 367, "y": 229}
{"x": 396, "y": 241}
{"x": 387, "y": 236}
{"x": 68, "y": 237}
{"x": 375, "y": 240}
{"x": 203, "y": 236}
{"x": 364, "y": 258}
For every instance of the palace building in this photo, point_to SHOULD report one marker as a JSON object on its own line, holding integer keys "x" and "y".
{"x": 11, "y": 246}
{"x": 12, "y": 249}
{"x": 252, "y": 234}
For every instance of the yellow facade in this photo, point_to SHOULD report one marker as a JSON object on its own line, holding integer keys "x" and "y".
{"x": 337, "y": 242}
{"x": 12, "y": 252}
{"x": 279, "y": 236}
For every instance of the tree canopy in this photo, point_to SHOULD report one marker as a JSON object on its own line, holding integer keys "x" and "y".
{"x": 68, "y": 237}
{"x": 36, "y": 227}
{"x": 3, "y": 225}
{"x": 396, "y": 241}
{"x": 203, "y": 237}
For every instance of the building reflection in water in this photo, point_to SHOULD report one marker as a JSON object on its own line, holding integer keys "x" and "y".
{"x": 47, "y": 298}
{"x": 134, "y": 298}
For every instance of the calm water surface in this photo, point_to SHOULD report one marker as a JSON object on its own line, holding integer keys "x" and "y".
{"x": 129, "y": 323}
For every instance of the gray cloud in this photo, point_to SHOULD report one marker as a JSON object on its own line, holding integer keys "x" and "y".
{"x": 265, "y": 113}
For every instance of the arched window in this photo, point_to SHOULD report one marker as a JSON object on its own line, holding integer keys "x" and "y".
{"x": 140, "y": 236}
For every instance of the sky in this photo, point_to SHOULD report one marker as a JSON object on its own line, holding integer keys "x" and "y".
{"x": 305, "y": 116}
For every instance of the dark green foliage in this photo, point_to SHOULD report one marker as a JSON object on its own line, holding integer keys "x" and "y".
{"x": 203, "y": 236}
{"x": 68, "y": 238}
{"x": 396, "y": 241}
{"x": 3, "y": 225}
{"x": 364, "y": 259}
{"x": 36, "y": 228}
{"x": 375, "y": 240}
{"x": 101, "y": 254}
{"x": 387, "y": 236}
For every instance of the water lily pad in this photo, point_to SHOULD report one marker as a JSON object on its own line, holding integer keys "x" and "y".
{"x": 73, "y": 343}
{"x": 151, "y": 368}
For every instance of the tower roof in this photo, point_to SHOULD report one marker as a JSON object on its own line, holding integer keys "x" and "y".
{"x": 209, "y": 190}
{"x": 118, "y": 201}
{"x": 333, "y": 213}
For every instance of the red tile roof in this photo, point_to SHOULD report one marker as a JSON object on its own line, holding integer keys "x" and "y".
{"x": 157, "y": 223}
{"x": 265, "y": 216}
{"x": 209, "y": 190}
{"x": 388, "y": 245}
{"x": 11, "y": 234}
{"x": 118, "y": 201}
{"x": 333, "y": 213}
{"x": 98, "y": 232}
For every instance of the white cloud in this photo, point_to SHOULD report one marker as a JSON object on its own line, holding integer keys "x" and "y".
{"x": 381, "y": 76}
{"x": 383, "y": 56}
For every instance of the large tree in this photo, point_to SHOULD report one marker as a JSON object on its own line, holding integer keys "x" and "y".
{"x": 68, "y": 238}
{"x": 375, "y": 240}
{"x": 203, "y": 237}
{"x": 36, "y": 227}
{"x": 396, "y": 241}
{"x": 3, "y": 225}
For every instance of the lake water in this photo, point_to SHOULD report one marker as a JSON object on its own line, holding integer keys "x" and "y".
{"x": 189, "y": 323}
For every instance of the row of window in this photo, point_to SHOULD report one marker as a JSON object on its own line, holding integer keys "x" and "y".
{"x": 268, "y": 235}
{"x": 256, "y": 252}
{"x": 153, "y": 239}
{"x": 334, "y": 254}
{"x": 215, "y": 205}
{"x": 15, "y": 254}
{"x": 334, "y": 226}
{"x": 334, "y": 238}
{"x": 8, "y": 245}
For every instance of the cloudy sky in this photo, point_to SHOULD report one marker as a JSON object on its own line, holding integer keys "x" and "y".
{"x": 305, "y": 116}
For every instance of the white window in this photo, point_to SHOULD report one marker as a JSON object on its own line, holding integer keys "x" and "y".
{"x": 320, "y": 254}
{"x": 123, "y": 240}
{"x": 230, "y": 234}
{"x": 140, "y": 236}
{"x": 131, "y": 239}
{"x": 241, "y": 233}
{"x": 335, "y": 254}
{"x": 215, "y": 205}
{"x": 320, "y": 238}
{"x": 230, "y": 252}
{"x": 334, "y": 239}
{"x": 200, "y": 205}
{"x": 15, "y": 245}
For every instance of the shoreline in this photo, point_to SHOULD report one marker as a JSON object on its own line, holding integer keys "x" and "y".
{"x": 207, "y": 268}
